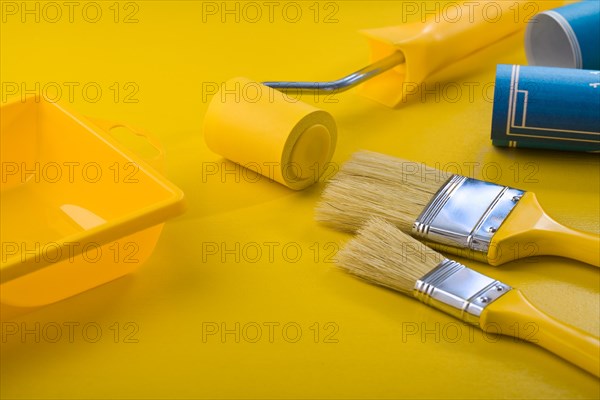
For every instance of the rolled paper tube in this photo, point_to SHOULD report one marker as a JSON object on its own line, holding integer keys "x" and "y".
{"x": 270, "y": 132}
{"x": 546, "y": 107}
{"x": 567, "y": 37}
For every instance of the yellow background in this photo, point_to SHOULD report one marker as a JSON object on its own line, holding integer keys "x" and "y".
{"x": 170, "y": 54}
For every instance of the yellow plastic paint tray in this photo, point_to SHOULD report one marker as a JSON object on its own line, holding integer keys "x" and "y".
{"x": 78, "y": 209}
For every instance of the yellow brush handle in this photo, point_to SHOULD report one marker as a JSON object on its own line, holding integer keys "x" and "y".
{"x": 528, "y": 231}
{"x": 513, "y": 315}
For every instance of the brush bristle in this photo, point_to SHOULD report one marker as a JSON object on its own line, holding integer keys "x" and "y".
{"x": 382, "y": 254}
{"x": 373, "y": 184}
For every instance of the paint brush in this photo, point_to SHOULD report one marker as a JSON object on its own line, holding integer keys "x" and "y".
{"x": 384, "y": 255}
{"x": 453, "y": 213}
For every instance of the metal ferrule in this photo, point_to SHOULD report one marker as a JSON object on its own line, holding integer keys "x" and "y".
{"x": 466, "y": 212}
{"x": 458, "y": 290}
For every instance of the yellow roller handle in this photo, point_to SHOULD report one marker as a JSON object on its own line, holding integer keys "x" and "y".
{"x": 513, "y": 315}
{"x": 437, "y": 40}
{"x": 529, "y": 231}
{"x": 474, "y": 26}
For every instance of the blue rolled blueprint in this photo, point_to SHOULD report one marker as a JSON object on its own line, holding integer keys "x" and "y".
{"x": 567, "y": 37}
{"x": 546, "y": 107}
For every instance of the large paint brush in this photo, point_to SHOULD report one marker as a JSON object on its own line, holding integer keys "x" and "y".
{"x": 453, "y": 213}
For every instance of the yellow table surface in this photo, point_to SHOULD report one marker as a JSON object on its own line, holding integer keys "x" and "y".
{"x": 248, "y": 255}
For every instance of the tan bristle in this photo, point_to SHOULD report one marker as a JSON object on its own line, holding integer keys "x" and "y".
{"x": 382, "y": 254}
{"x": 373, "y": 184}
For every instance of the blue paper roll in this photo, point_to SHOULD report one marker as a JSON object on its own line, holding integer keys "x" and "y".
{"x": 546, "y": 107}
{"x": 567, "y": 37}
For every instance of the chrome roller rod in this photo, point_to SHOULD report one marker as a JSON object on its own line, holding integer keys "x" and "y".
{"x": 346, "y": 82}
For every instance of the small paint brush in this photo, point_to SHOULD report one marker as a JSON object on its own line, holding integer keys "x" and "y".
{"x": 384, "y": 255}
